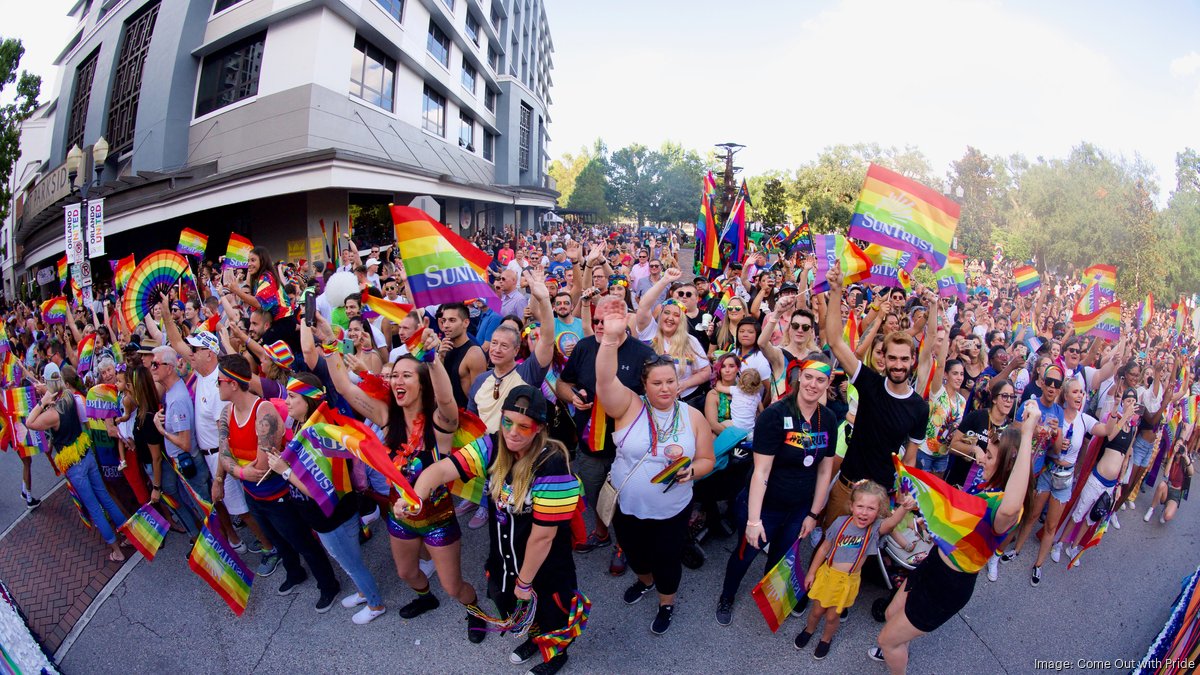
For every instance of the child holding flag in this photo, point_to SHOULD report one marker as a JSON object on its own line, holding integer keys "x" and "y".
{"x": 836, "y": 569}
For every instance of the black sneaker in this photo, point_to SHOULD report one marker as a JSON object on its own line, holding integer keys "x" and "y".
{"x": 32, "y": 502}
{"x": 662, "y": 620}
{"x": 802, "y": 639}
{"x": 289, "y": 586}
{"x": 875, "y": 653}
{"x": 1009, "y": 556}
{"x": 326, "y": 600}
{"x": 844, "y": 617}
{"x": 637, "y": 591}
{"x": 724, "y": 611}
{"x": 1036, "y": 578}
{"x": 549, "y": 667}
{"x": 593, "y": 542}
{"x": 523, "y": 652}
{"x": 417, "y": 607}
{"x": 821, "y": 651}
{"x": 801, "y": 605}
{"x": 476, "y": 629}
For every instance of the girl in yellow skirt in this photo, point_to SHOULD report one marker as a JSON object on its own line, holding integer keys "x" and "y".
{"x": 835, "y": 572}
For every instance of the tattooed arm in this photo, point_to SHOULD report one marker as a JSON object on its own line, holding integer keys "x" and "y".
{"x": 269, "y": 428}
{"x": 225, "y": 462}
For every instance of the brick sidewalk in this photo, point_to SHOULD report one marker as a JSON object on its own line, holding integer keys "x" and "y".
{"x": 54, "y": 566}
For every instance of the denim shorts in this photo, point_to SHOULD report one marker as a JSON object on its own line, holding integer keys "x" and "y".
{"x": 1142, "y": 449}
{"x": 1044, "y": 484}
{"x": 936, "y": 465}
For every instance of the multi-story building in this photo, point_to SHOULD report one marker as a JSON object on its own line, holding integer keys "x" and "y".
{"x": 269, "y": 117}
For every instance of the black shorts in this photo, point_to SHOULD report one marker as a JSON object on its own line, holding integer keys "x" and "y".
{"x": 936, "y": 592}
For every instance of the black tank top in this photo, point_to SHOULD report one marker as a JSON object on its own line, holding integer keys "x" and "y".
{"x": 453, "y": 362}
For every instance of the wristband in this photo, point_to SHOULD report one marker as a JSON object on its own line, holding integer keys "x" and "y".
{"x": 241, "y": 473}
{"x": 753, "y": 523}
{"x": 813, "y": 516}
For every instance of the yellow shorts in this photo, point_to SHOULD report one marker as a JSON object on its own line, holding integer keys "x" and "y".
{"x": 833, "y": 588}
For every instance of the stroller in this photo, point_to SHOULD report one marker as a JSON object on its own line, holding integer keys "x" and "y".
{"x": 896, "y": 561}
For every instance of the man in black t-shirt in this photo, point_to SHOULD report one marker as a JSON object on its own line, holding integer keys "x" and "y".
{"x": 891, "y": 415}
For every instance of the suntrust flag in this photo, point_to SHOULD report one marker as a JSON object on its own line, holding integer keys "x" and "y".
{"x": 832, "y": 249}
{"x": 900, "y": 213}
{"x": 442, "y": 267}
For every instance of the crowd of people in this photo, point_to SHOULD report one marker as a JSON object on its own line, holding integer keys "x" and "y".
{"x": 633, "y": 405}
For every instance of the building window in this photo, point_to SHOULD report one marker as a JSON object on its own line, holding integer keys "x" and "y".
{"x": 127, "y": 81}
{"x": 468, "y": 77}
{"x": 472, "y": 28}
{"x": 489, "y": 99}
{"x": 512, "y": 57}
{"x": 523, "y": 157}
{"x": 222, "y": 5}
{"x": 433, "y": 113}
{"x": 393, "y": 7}
{"x": 449, "y": 3}
{"x": 438, "y": 44}
{"x": 466, "y": 132}
{"x": 489, "y": 145}
{"x": 493, "y": 60}
{"x": 372, "y": 74}
{"x": 81, "y": 96}
{"x": 230, "y": 75}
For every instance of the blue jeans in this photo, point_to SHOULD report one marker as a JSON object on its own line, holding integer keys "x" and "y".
{"x": 936, "y": 465}
{"x": 292, "y": 539}
{"x": 781, "y": 528}
{"x": 342, "y": 544}
{"x": 189, "y": 513}
{"x": 1142, "y": 449}
{"x": 85, "y": 478}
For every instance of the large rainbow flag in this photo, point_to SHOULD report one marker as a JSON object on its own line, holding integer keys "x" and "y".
{"x": 734, "y": 233}
{"x": 888, "y": 266}
{"x": 778, "y": 593}
{"x": 952, "y": 279}
{"x": 1105, "y": 278}
{"x": 318, "y": 460}
{"x": 834, "y": 248}
{"x": 54, "y": 310}
{"x": 1027, "y": 278}
{"x": 63, "y": 271}
{"x": 214, "y": 560}
{"x": 442, "y": 266}
{"x": 237, "y": 254}
{"x": 392, "y": 311}
{"x": 1104, "y": 322}
{"x": 365, "y": 445}
{"x": 146, "y": 529}
{"x": 707, "y": 250}
{"x": 900, "y": 213}
{"x": 960, "y": 523}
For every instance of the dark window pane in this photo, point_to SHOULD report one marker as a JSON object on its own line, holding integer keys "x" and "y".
{"x": 393, "y": 7}
{"x": 81, "y": 96}
{"x": 230, "y": 75}
{"x": 127, "y": 81}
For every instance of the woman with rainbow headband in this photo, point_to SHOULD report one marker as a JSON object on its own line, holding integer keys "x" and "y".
{"x": 668, "y": 335}
{"x": 532, "y": 498}
{"x": 793, "y": 467}
{"x": 943, "y": 584}
{"x": 418, "y": 419}
{"x": 339, "y": 531}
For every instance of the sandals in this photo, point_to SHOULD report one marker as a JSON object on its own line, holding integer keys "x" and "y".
{"x": 112, "y": 556}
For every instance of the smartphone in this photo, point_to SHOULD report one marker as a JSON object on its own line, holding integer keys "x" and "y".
{"x": 310, "y": 307}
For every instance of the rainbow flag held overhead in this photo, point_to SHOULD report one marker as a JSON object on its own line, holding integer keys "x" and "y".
{"x": 237, "y": 255}
{"x": 952, "y": 279}
{"x": 123, "y": 272}
{"x": 442, "y": 266}
{"x": 1027, "y": 279}
{"x": 799, "y": 238}
{"x": 63, "y": 271}
{"x": 416, "y": 348}
{"x": 960, "y": 523}
{"x": 86, "y": 353}
{"x": 325, "y": 475}
{"x": 214, "y": 560}
{"x": 834, "y": 248}
{"x": 1145, "y": 312}
{"x": 20, "y": 401}
{"x": 900, "y": 213}
{"x": 778, "y": 593}
{"x": 4, "y": 344}
{"x": 192, "y": 243}
{"x": 54, "y": 310}
{"x": 889, "y": 266}
{"x": 392, "y": 311}
{"x": 733, "y": 237}
{"x": 146, "y": 529}
{"x": 1104, "y": 323}
{"x": 1105, "y": 278}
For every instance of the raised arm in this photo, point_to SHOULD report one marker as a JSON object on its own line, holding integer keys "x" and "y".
{"x": 1018, "y": 481}
{"x": 372, "y": 409}
{"x": 174, "y": 338}
{"x": 833, "y": 324}
{"x": 614, "y": 396}
{"x": 544, "y": 351}
{"x": 646, "y": 304}
{"x": 445, "y": 416}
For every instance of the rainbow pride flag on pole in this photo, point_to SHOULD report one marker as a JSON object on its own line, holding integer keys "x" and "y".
{"x": 442, "y": 267}
{"x": 1105, "y": 278}
{"x": 888, "y": 266}
{"x": 364, "y": 444}
{"x": 392, "y": 311}
{"x": 778, "y": 593}
{"x": 123, "y": 272}
{"x": 900, "y": 213}
{"x": 192, "y": 243}
{"x": 952, "y": 279}
{"x": 1027, "y": 279}
{"x": 1104, "y": 322}
{"x": 237, "y": 255}
{"x": 707, "y": 250}
{"x": 834, "y": 248}
{"x": 214, "y": 560}
{"x": 146, "y": 529}
{"x": 960, "y": 523}
{"x": 86, "y": 353}
{"x": 597, "y": 427}
{"x": 63, "y": 271}
{"x": 734, "y": 233}
{"x": 416, "y": 348}
{"x": 1145, "y": 312}
{"x": 54, "y": 310}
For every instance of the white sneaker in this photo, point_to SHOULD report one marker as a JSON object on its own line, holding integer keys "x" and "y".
{"x": 367, "y": 615}
{"x": 815, "y": 537}
{"x": 371, "y": 517}
{"x": 1071, "y": 552}
{"x": 1162, "y": 519}
{"x": 427, "y": 567}
{"x": 353, "y": 600}
{"x": 1114, "y": 521}
{"x": 993, "y": 567}
{"x": 1056, "y": 552}
{"x": 1125, "y": 506}
{"x": 1149, "y": 514}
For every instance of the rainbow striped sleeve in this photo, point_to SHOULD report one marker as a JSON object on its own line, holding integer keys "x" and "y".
{"x": 554, "y": 499}
{"x": 473, "y": 459}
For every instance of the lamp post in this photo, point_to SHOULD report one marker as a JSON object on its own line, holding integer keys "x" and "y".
{"x": 82, "y": 188}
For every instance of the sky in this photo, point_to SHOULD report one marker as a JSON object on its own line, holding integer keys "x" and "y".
{"x": 788, "y": 79}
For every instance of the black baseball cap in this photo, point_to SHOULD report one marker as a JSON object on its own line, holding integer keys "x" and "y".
{"x": 527, "y": 401}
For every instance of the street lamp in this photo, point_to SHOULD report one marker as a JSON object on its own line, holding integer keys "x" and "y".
{"x": 82, "y": 188}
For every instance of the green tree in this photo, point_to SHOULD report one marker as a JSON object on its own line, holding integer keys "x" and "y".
{"x": 633, "y": 173}
{"x": 982, "y": 200}
{"x": 590, "y": 191}
{"x": 771, "y": 207}
{"x": 566, "y": 169}
{"x": 11, "y": 115}
{"x": 1180, "y": 226}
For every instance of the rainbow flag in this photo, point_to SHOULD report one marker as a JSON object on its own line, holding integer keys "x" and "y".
{"x": 959, "y": 522}
{"x": 319, "y": 461}
{"x": 470, "y": 427}
{"x": 834, "y": 248}
{"x": 708, "y": 255}
{"x": 1105, "y": 278}
{"x": 54, "y": 310}
{"x": 552, "y": 643}
{"x": 778, "y": 593}
{"x": 4, "y": 344}
{"x": 392, "y": 311}
{"x": 103, "y": 402}
{"x": 192, "y": 243}
{"x": 416, "y": 347}
{"x": 123, "y": 272}
{"x": 146, "y": 529}
{"x": 900, "y": 213}
{"x": 76, "y": 294}
{"x": 1027, "y": 279}
{"x": 734, "y": 234}
{"x": 670, "y": 471}
{"x": 83, "y": 514}
{"x": 1181, "y": 316}
{"x": 20, "y": 401}
{"x": 952, "y": 279}
{"x": 442, "y": 266}
{"x": 365, "y": 445}
{"x": 1145, "y": 312}
{"x": 214, "y": 560}
{"x": 850, "y": 331}
{"x": 63, "y": 271}
{"x": 596, "y": 428}
{"x": 472, "y": 490}
{"x": 86, "y": 353}
{"x": 1190, "y": 409}
{"x": 801, "y": 237}
{"x": 889, "y": 267}
{"x": 237, "y": 256}
{"x": 722, "y": 306}
{"x": 10, "y": 370}
{"x": 1104, "y": 323}
{"x": 204, "y": 505}
{"x": 208, "y": 325}
{"x": 1097, "y": 535}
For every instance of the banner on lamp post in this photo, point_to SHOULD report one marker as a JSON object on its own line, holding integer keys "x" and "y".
{"x": 95, "y": 230}
{"x": 73, "y": 232}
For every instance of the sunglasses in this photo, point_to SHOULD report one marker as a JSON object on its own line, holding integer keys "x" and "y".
{"x": 1072, "y": 350}
{"x": 685, "y": 294}
{"x": 1052, "y": 384}
{"x": 1006, "y": 397}
{"x": 801, "y": 326}
{"x": 156, "y": 364}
